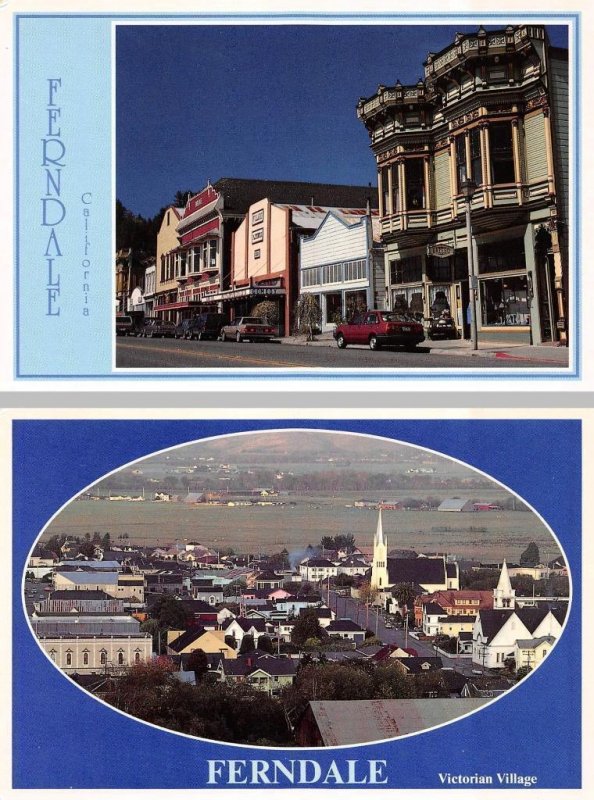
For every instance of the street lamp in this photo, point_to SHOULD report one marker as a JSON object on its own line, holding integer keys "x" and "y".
{"x": 467, "y": 190}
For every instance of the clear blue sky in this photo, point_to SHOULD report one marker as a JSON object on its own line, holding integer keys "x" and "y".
{"x": 278, "y": 102}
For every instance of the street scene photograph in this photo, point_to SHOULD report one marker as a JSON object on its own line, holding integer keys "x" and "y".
{"x": 297, "y": 588}
{"x": 331, "y": 197}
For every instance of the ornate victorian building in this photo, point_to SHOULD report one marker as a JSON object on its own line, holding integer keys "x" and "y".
{"x": 493, "y": 109}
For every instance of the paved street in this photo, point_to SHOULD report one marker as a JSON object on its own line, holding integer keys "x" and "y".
{"x": 176, "y": 353}
{"x": 347, "y": 607}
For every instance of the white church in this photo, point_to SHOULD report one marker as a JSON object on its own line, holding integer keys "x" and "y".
{"x": 525, "y": 633}
{"x": 426, "y": 573}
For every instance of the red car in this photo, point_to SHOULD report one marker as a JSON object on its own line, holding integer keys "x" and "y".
{"x": 378, "y": 328}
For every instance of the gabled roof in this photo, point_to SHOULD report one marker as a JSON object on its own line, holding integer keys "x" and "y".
{"x": 81, "y": 594}
{"x": 492, "y": 620}
{"x": 433, "y": 609}
{"x": 186, "y": 639}
{"x": 415, "y": 665}
{"x": 321, "y": 613}
{"x": 346, "y": 625}
{"x": 529, "y": 644}
{"x": 383, "y": 719}
{"x": 268, "y": 575}
{"x": 198, "y": 606}
{"x": 416, "y": 570}
{"x": 319, "y": 562}
{"x": 240, "y": 193}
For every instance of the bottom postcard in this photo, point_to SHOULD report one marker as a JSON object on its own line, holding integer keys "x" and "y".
{"x": 297, "y": 603}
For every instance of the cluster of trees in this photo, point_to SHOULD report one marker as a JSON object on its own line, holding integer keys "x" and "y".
{"x": 318, "y": 482}
{"x": 211, "y": 710}
{"x": 85, "y": 545}
{"x": 140, "y": 233}
{"x": 525, "y": 585}
{"x": 344, "y": 541}
{"x": 240, "y": 714}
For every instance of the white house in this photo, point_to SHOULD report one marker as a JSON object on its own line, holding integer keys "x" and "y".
{"x": 497, "y": 631}
{"x": 317, "y": 569}
{"x": 342, "y": 266}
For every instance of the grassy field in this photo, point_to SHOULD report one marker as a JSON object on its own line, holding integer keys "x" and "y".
{"x": 266, "y": 529}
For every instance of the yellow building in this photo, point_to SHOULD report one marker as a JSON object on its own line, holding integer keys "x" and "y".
{"x": 211, "y": 642}
{"x": 165, "y": 299}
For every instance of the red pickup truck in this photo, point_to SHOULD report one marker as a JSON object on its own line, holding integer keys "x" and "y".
{"x": 378, "y": 328}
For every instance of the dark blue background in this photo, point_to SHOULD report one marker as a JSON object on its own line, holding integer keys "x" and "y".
{"x": 62, "y": 737}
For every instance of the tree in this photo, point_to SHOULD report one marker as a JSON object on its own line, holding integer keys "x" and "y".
{"x": 531, "y": 556}
{"x": 367, "y": 593}
{"x": 308, "y": 315}
{"x": 265, "y": 644}
{"x": 169, "y": 613}
{"x": 522, "y": 672}
{"x": 306, "y": 627}
{"x": 405, "y": 594}
{"x": 198, "y": 663}
{"x": 247, "y": 644}
{"x": 268, "y": 311}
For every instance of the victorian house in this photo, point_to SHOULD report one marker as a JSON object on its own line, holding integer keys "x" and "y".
{"x": 488, "y": 126}
{"x": 508, "y": 631}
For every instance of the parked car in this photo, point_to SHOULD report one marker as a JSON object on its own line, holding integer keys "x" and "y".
{"x": 160, "y": 328}
{"x": 202, "y": 326}
{"x": 124, "y": 326}
{"x": 442, "y": 327}
{"x": 379, "y": 328}
{"x": 252, "y": 328}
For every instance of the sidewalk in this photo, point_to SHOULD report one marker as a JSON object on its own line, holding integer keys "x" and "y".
{"x": 543, "y": 354}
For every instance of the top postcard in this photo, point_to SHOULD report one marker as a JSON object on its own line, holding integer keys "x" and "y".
{"x": 295, "y": 197}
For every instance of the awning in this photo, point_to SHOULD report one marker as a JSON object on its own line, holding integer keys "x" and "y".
{"x": 248, "y": 291}
{"x": 185, "y": 304}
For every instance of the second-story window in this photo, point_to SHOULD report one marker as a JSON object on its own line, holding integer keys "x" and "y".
{"x": 501, "y": 152}
{"x": 385, "y": 191}
{"x": 415, "y": 184}
{"x": 472, "y": 168}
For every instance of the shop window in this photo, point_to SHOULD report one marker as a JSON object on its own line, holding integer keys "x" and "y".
{"x": 501, "y": 256}
{"x": 438, "y": 299}
{"x": 504, "y": 301}
{"x": 415, "y": 183}
{"x": 333, "y": 307}
{"x": 408, "y": 301}
{"x": 406, "y": 270}
{"x": 355, "y": 302}
{"x": 501, "y": 152}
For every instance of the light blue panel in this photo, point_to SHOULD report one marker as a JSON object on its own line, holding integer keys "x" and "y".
{"x": 65, "y": 342}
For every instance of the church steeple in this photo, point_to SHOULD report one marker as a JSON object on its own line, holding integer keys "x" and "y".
{"x": 504, "y": 596}
{"x": 379, "y": 568}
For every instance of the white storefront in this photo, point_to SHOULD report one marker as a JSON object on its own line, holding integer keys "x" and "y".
{"x": 341, "y": 267}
